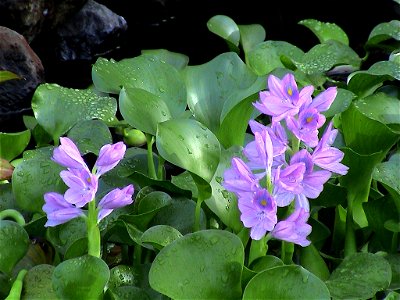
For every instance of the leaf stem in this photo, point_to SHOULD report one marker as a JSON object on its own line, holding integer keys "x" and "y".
{"x": 287, "y": 252}
{"x": 94, "y": 244}
{"x": 150, "y": 161}
{"x": 350, "y": 239}
{"x": 12, "y": 213}
{"x": 16, "y": 289}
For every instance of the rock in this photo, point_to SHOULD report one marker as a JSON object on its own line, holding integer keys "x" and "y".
{"x": 18, "y": 57}
{"x": 31, "y": 17}
{"x": 94, "y": 31}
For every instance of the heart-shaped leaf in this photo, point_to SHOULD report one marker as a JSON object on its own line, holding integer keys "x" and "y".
{"x": 190, "y": 145}
{"x": 13, "y": 144}
{"x": 201, "y": 265}
{"x": 160, "y": 236}
{"x": 57, "y": 108}
{"x": 224, "y": 27}
{"x": 326, "y": 31}
{"x": 80, "y": 278}
{"x": 286, "y": 282}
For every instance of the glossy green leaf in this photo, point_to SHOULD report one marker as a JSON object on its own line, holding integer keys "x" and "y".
{"x": 146, "y": 72}
{"x": 13, "y": 144}
{"x": 341, "y": 103}
{"x": 143, "y": 110}
{"x": 266, "y": 262}
{"x": 7, "y": 75}
{"x": 251, "y": 35}
{"x": 222, "y": 202}
{"x": 326, "y": 31}
{"x": 394, "y": 261}
{"x": 178, "y": 60}
{"x": 382, "y": 108}
{"x": 147, "y": 209}
{"x": 160, "y": 236}
{"x": 14, "y": 242}
{"x": 180, "y": 215}
{"x": 384, "y": 31}
{"x": 286, "y": 282}
{"x": 378, "y": 212}
{"x": 267, "y": 56}
{"x": 323, "y": 57}
{"x": 190, "y": 145}
{"x": 224, "y": 27}
{"x": 210, "y": 85}
{"x": 312, "y": 260}
{"x": 90, "y": 136}
{"x": 34, "y": 176}
{"x": 388, "y": 173}
{"x": 80, "y": 278}
{"x": 65, "y": 235}
{"x": 364, "y": 83}
{"x": 331, "y": 196}
{"x": 359, "y": 276}
{"x": 37, "y": 283}
{"x": 236, "y": 113}
{"x": 131, "y": 282}
{"x": 201, "y": 265}
{"x": 58, "y": 108}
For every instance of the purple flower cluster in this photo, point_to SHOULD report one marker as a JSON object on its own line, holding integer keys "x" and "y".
{"x": 83, "y": 183}
{"x": 286, "y": 163}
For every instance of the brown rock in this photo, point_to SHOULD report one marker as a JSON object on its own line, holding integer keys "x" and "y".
{"x": 18, "y": 57}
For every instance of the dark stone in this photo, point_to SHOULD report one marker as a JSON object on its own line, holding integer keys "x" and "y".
{"x": 18, "y": 57}
{"x": 31, "y": 17}
{"x": 93, "y": 31}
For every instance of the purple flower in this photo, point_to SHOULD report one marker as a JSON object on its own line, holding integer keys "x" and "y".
{"x": 283, "y": 98}
{"x": 58, "y": 210}
{"x": 260, "y": 152}
{"x": 68, "y": 155}
{"x": 313, "y": 181}
{"x": 115, "y": 199}
{"x": 288, "y": 183}
{"x": 239, "y": 179}
{"x": 327, "y": 157}
{"x": 82, "y": 186}
{"x": 258, "y": 213}
{"x": 323, "y": 100}
{"x": 305, "y": 128}
{"x": 109, "y": 157}
{"x": 294, "y": 229}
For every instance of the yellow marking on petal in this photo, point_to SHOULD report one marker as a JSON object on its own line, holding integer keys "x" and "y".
{"x": 263, "y": 202}
{"x": 290, "y": 91}
{"x": 89, "y": 179}
{"x": 309, "y": 119}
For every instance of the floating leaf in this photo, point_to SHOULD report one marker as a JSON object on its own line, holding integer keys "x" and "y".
{"x": 251, "y": 35}
{"x": 83, "y": 277}
{"x": 146, "y": 72}
{"x": 143, "y": 110}
{"x": 384, "y": 31}
{"x": 7, "y": 75}
{"x": 201, "y": 265}
{"x": 13, "y": 144}
{"x": 178, "y": 60}
{"x": 267, "y": 56}
{"x": 286, "y": 282}
{"x": 224, "y": 27}
{"x": 360, "y": 276}
{"x": 364, "y": 83}
{"x": 14, "y": 243}
{"x": 223, "y": 77}
{"x": 160, "y": 236}
{"x": 90, "y": 136}
{"x": 34, "y": 176}
{"x": 37, "y": 283}
{"x": 323, "y": 57}
{"x": 189, "y": 145}
{"x": 326, "y": 31}
{"x": 57, "y": 108}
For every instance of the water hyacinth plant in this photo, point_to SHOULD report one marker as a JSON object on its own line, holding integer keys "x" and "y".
{"x": 265, "y": 173}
